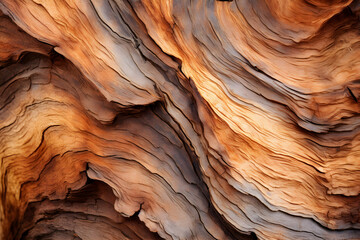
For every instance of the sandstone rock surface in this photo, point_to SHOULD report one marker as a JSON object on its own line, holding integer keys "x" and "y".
{"x": 180, "y": 119}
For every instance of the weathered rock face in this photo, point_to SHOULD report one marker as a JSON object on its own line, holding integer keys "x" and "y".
{"x": 150, "y": 119}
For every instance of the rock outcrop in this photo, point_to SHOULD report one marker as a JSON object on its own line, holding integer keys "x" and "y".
{"x": 180, "y": 119}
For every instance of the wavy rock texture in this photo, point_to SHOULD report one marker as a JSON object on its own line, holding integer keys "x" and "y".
{"x": 150, "y": 119}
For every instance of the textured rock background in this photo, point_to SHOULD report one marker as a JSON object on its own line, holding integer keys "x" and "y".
{"x": 180, "y": 119}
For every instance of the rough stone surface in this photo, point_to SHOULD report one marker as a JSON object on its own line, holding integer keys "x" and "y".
{"x": 179, "y": 119}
